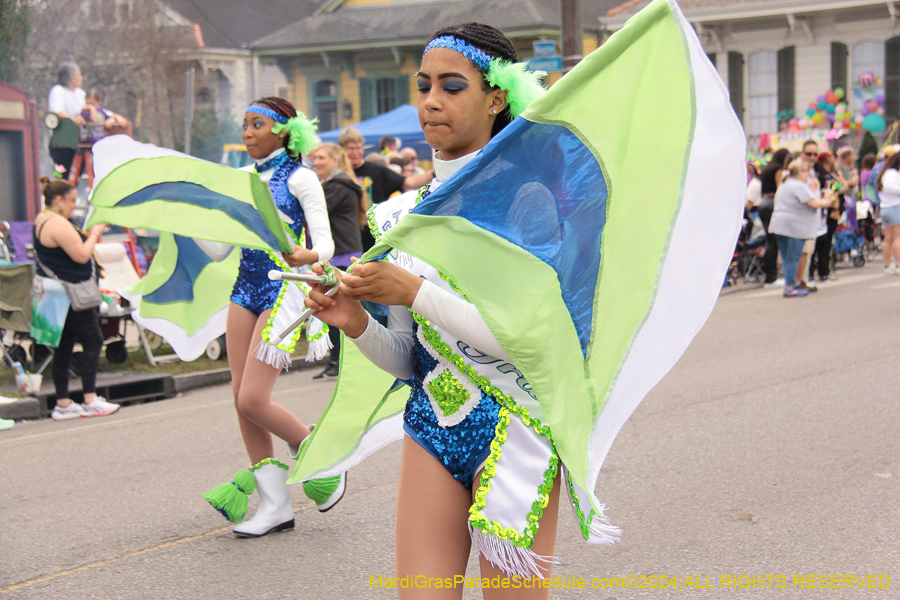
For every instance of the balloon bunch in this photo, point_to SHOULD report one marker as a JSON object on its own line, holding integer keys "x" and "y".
{"x": 830, "y": 111}
{"x": 871, "y": 116}
{"x": 827, "y": 111}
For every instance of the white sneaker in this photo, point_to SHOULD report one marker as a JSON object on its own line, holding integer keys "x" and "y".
{"x": 72, "y": 411}
{"x": 778, "y": 283}
{"x": 6, "y": 424}
{"x": 890, "y": 270}
{"x": 100, "y": 407}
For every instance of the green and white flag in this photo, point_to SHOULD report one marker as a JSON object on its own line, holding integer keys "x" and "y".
{"x": 593, "y": 235}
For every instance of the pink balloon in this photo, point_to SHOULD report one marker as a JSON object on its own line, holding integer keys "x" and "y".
{"x": 880, "y": 111}
{"x": 872, "y": 105}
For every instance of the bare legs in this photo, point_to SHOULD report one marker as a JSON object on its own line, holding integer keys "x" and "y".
{"x": 891, "y": 245}
{"x": 252, "y": 382}
{"x": 432, "y": 535}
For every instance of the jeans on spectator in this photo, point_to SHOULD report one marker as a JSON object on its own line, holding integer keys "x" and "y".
{"x": 83, "y": 326}
{"x": 770, "y": 261}
{"x": 791, "y": 250}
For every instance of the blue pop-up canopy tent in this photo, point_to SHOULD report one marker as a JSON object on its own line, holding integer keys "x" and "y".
{"x": 402, "y": 122}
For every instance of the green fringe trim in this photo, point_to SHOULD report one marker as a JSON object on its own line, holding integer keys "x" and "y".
{"x": 522, "y": 86}
{"x": 584, "y": 523}
{"x": 373, "y": 226}
{"x": 320, "y": 490}
{"x": 302, "y": 138}
{"x": 268, "y": 461}
{"x": 230, "y": 498}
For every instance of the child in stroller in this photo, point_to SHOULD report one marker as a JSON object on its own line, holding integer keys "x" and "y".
{"x": 747, "y": 260}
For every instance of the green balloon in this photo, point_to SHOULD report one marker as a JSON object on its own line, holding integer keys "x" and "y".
{"x": 839, "y": 92}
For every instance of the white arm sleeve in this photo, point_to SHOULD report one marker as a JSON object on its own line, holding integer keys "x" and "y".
{"x": 390, "y": 348}
{"x": 304, "y": 184}
{"x": 56, "y": 101}
{"x": 457, "y": 316}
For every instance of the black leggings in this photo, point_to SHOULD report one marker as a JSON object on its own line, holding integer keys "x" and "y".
{"x": 81, "y": 325}
{"x": 770, "y": 262}
{"x": 820, "y": 260}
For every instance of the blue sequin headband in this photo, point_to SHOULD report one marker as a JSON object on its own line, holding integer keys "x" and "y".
{"x": 476, "y": 55}
{"x": 266, "y": 112}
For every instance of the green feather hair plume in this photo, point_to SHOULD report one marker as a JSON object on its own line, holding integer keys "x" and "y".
{"x": 302, "y": 134}
{"x": 522, "y": 86}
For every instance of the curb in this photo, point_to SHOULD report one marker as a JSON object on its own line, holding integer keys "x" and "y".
{"x": 23, "y": 409}
{"x": 734, "y": 289}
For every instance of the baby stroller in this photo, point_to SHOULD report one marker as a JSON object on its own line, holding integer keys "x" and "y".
{"x": 15, "y": 319}
{"x": 846, "y": 241}
{"x": 869, "y": 227}
{"x": 747, "y": 260}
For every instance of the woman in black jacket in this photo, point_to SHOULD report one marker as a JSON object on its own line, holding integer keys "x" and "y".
{"x": 770, "y": 178}
{"x": 346, "y": 211}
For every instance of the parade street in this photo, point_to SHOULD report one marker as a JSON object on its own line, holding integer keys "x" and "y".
{"x": 768, "y": 458}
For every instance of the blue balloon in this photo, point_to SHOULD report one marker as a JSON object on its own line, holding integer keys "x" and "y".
{"x": 810, "y": 112}
{"x": 821, "y": 104}
{"x": 830, "y": 108}
{"x": 874, "y": 123}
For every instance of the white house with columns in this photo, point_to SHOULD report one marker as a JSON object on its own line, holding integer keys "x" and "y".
{"x": 781, "y": 54}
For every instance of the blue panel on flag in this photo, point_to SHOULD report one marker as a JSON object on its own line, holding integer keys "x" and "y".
{"x": 549, "y": 201}
{"x": 192, "y": 193}
{"x": 180, "y": 286}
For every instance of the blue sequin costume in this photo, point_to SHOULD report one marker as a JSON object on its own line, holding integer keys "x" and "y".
{"x": 253, "y": 289}
{"x": 461, "y": 448}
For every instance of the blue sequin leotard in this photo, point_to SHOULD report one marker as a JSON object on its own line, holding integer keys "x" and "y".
{"x": 461, "y": 448}
{"x": 253, "y": 289}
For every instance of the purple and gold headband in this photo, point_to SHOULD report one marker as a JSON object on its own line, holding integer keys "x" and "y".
{"x": 476, "y": 55}
{"x": 266, "y": 112}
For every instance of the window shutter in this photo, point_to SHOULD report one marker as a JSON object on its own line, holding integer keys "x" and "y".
{"x": 786, "y": 79}
{"x": 401, "y": 90}
{"x": 736, "y": 83}
{"x": 839, "y": 66}
{"x": 366, "y": 99}
{"x": 892, "y": 78}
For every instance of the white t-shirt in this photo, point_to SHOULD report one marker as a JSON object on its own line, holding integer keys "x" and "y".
{"x": 754, "y": 191}
{"x": 69, "y": 101}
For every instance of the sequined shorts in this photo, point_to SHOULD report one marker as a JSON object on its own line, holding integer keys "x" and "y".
{"x": 462, "y": 448}
{"x": 253, "y": 289}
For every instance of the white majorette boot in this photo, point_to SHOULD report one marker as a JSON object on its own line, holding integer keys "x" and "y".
{"x": 274, "y": 512}
{"x": 326, "y": 491}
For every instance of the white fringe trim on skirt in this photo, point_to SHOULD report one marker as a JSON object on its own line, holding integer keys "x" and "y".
{"x": 273, "y": 356}
{"x": 509, "y": 558}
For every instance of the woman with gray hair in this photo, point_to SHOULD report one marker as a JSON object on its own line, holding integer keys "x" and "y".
{"x": 794, "y": 221}
{"x": 67, "y": 101}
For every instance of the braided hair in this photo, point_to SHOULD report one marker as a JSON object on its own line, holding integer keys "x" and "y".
{"x": 496, "y": 44}
{"x": 282, "y": 107}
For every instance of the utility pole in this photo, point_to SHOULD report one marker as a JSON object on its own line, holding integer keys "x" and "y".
{"x": 570, "y": 22}
{"x": 188, "y": 110}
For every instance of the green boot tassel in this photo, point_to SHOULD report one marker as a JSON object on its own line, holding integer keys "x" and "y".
{"x": 326, "y": 491}
{"x": 231, "y": 499}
